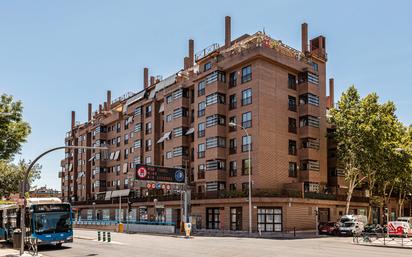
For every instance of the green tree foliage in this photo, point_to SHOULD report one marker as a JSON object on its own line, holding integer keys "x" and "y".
{"x": 11, "y": 174}
{"x": 13, "y": 130}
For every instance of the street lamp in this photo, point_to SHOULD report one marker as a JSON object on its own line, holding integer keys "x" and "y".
{"x": 233, "y": 124}
{"x": 25, "y": 182}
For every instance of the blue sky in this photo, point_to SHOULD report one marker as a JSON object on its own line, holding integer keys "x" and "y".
{"x": 56, "y": 56}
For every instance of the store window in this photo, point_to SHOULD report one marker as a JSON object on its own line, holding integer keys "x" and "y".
{"x": 270, "y": 219}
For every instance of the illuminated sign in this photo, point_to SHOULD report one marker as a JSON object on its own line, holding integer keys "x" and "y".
{"x": 160, "y": 174}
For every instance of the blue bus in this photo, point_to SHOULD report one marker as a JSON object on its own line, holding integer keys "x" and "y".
{"x": 47, "y": 219}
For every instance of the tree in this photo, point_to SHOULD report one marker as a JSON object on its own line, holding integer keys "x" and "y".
{"x": 12, "y": 174}
{"x": 13, "y": 130}
{"x": 349, "y": 138}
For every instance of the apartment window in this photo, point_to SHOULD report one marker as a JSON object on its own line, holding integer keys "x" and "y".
{"x": 232, "y": 120}
{"x": 246, "y": 97}
{"x": 310, "y": 165}
{"x": 137, "y": 160}
{"x": 309, "y": 77}
{"x": 213, "y": 142}
{"x": 310, "y": 121}
{"x": 270, "y": 219}
{"x": 178, "y": 132}
{"x": 215, "y": 119}
{"x": 246, "y": 74}
{"x": 245, "y": 167}
{"x": 182, "y": 92}
{"x": 169, "y": 118}
{"x": 207, "y": 66}
{"x": 292, "y": 147}
{"x": 246, "y": 143}
{"x": 236, "y": 218}
{"x": 232, "y": 102}
{"x": 126, "y": 153}
{"x": 169, "y": 99}
{"x": 201, "y": 151}
{"x": 292, "y": 103}
{"x": 201, "y": 88}
{"x": 137, "y": 143}
{"x": 126, "y": 139}
{"x": 293, "y": 170}
{"x": 232, "y": 169}
{"x": 292, "y": 125}
{"x": 138, "y": 127}
{"x": 180, "y": 112}
{"x": 309, "y": 99}
{"x": 215, "y": 76}
{"x": 311, "y": 187}
{"x": 148, "y": 111}
{"x": 118, "y": 127}
{"x": 118, "y": 141}
{"x": 201, "y": 129}
{"x": 215, "y": 98}
{"x": 213, "y": 218}
{"x": 215, "y": 165}
{"x": 201, "y": 171}
{"x": 138, "y": 111}
{"x": 201, "y": 109}
{"x": 311, "y": 143}
{"x": 179, "y": 151}
{"x": 247, "y": 119}
{"x": 148, "y": 128}
{"x": 292, "y": 81}
{"x": 169, "y": 155}
{"x": 232, "y": 146}
{"x": 245, "y": 186}
{"x": 232, "y": 79}
{"x": 232, "y": 187}
{"x": 148, "y": 160}
{"x": 148, "y": 145}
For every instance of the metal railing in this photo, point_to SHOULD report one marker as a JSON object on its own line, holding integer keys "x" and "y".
{"x": 382, "y": 239}
{"x": 206, "y": 51}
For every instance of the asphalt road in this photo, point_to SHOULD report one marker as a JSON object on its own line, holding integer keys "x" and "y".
{"x": 85, "y": 244}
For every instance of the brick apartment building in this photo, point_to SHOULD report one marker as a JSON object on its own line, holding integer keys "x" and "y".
{"x": 276, "y": 92}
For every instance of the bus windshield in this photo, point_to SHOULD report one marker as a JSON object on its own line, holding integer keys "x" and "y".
{"x": 51, "y": 222}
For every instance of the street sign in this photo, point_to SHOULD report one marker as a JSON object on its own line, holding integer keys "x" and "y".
{"x": 160, "y": 174}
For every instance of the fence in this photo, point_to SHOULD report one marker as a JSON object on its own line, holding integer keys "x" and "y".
{"x": 382, "y": 239}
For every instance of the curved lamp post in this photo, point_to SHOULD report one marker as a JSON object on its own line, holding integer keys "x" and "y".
{"x": 25, "y": 182}
{"x": 232, "y": 124}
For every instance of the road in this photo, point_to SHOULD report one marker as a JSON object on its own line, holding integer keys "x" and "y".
{"x": 85, "y": 244}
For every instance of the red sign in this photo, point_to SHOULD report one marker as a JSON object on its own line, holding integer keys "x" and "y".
{"x": 142, "y": 172}
{"x": 149, "y": 186}
{"x": 167, "y": 187}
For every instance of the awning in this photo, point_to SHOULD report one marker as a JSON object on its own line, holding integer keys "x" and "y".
{"x": 133, "y": 99}
{"x": 152, "y": 94}
{"x": 120, "y": 193}
{"x": 164, "y": 137}
{"x": 116, "y": 155}
{"x": 93, "y": 157}
{"x": 125, "y": 167}
{"x": 129, "y": 120}
{"x": 166, "y": 82}
{"x": 162, "y": 108}
{"x": 190, "y": 131}
{"x": 108, "y": 195}
{"x": 111, "y": 155}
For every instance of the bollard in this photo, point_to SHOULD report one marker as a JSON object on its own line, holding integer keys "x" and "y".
{"x": 294, "y": 231}
{"x": 104, "y": 236}
{"x": 98, "y": 236}
{"x": 109, "y": 238}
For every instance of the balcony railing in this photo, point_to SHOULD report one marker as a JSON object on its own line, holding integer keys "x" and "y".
{"x": 206, "y": 51}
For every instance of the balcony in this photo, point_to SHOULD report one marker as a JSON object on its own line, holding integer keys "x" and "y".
{"x": 308, "y": 131}
{"x": 308, "y": 87}
{"x": 232, "y": 150}
{"x": 206, "y": 51}
{"x": 309, "y": 109}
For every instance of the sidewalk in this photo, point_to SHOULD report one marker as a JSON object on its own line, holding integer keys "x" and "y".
{"x": 5, "y": 252}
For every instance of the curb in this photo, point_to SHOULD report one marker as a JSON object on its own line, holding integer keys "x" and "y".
{"x": 387, "y": 246}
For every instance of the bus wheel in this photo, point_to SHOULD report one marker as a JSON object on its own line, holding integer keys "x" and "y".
{"x": 59, "y": 245}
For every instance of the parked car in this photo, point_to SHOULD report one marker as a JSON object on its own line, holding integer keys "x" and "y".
{"x": 399, "y": 228}
{"x": 350, "y": 228}
{"x": 408, "y": 228}
{"x": 374, "y": 229}
{"x": 329, "y": 228}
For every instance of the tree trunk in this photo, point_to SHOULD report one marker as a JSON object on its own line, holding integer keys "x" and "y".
{"x": 349, "y": 195}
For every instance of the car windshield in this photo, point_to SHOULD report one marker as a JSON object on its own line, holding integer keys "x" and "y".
{"x": 51, "y": 222}
{"x": 348, "y": 224}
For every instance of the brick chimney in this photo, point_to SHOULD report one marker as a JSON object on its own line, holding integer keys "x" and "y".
{"x": 186, "y": 63}
{"x": 73, "y": 119}
{"x": 105, "y": 106}
{"x": 152, "y": 80}
{"x": 304, "y": 37}
{"x": 89, "y": 112}
{"x": 108, "y": 100}
{"x": 100, "y": 108}
{"x": 145, "y": 77}
{"x": 191, "y": 52}
{"x": 228, "y": 39}
{"x": 332, "y": 92}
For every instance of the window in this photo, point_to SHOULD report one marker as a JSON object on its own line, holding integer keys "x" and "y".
{"x": 213, "y": 142}
{"x": 148, "y": 160}
{"x": 207, "y": 66}
{"x": 293, "y": 171}
{"x": 246, "y": 143}
{"x": 292, "y": 103}
{"x": 232, "y": 146}
{"x": 232, "y": 79}
{"x": 137, "y": 143}
{"x": 232, "y": 102}
{"x": 232, "y": 169}
{"x": 311, "y": 143}
{"x": 245, "y": 186}
{"x": 148, "y": 111}
{"x": 232, "y": 187}
{"x": 270, "y": 219}
{"x": 180, "y": 112}
{"x": 232, "y": 120}
{"x": 181, "y": 92}
{"x": 138, "y": 127}
{"x": 148, "y": 145}
{"x": 311, "y": 187}
{"x": 246, "y": 97}
{"x": 215, "y": 164}
{"x": 215, "y": 119}
{"x": 201, "y": 151}
{"x": 118, "y": 127}
{"x": 292, "y": 147}
{"x": 246, "y": 74}
{"x": 310, "y": 165}
{"x": 245, "y": 167}
{"x": 179, "y": 151}
{"x": 309, "y": 77}
{"x": 215, "y": 98}
{"x": 169, "y": 155}
{"x": 213, "y": 218}
{"x": 201, "y": 171}
{"x": 178, "y": 132}
{"x": 247, "y": 120}
{"x": 309, "y": 99}
{"x": 138, "y": 111}
{"x": 118, "y": 141}
{"x": 236, "y": 218}
{"x": 201, "y": 88}
{"x": 201, "y": 109}
{"x": 169, "y": 118}
{"x": 215, "y": 76}
{"x": 126, "y": 139}
{"x": 292, "y": 81}
{"x": 169, "y": 99}
{"x": 126, "y": 153}
{"x": 148, "y": 128}
{"x": 201, "y": 129}
{"x": 310, "y": 121}
{"x": 292, "y": 125}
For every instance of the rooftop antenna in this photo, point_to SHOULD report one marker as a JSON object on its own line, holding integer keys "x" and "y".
{"x": 264, "y": 33}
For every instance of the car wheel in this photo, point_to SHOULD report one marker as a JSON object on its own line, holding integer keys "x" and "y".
{"x": 59, "y": 245}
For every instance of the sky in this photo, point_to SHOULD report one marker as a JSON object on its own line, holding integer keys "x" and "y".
{"x": 57, "y": 56}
